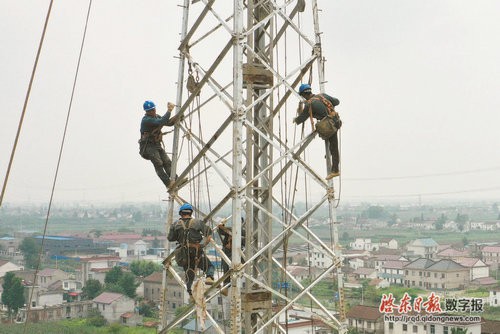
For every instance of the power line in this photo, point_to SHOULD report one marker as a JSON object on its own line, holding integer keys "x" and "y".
{"x": 423, "y": 175}
{"x": 432, "y": 193}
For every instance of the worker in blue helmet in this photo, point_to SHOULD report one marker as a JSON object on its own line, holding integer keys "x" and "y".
{"x": 322, "y": 108}
{"x": 192, "y": 236}
{"x": 151, "y": 143}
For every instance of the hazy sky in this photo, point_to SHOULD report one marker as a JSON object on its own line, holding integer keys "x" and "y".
{"x": 418, "y": 83}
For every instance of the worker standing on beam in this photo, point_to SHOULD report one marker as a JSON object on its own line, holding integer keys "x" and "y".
{"x": 322, "y": 108}
{"x": 151, "y": 142}
{"x": 193, "y": 236}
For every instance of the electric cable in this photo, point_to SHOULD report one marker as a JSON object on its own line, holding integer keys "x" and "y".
{"x": 58, "y": 160}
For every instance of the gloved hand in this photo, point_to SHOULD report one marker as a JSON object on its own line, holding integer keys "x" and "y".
{"x": 170, "y": 106}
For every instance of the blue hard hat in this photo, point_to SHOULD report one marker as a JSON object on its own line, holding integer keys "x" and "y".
{"x": 186, "y": 207}
{"x": 149, "y": 105}
{"x": 304, "y": 88}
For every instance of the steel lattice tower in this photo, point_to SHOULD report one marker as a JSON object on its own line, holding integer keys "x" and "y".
{"x": 240, "y": 72}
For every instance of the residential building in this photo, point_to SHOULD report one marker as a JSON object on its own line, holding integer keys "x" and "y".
{"x": 393, "y": 272}
{"x": 453, "y": 254}
{"x": 71, "y": 285}
{"x": 377, "y": 261}
{"x": 478, "y": 269}
{"x": 365, "y": 273}
{"x": 48, "y": 276}
{"x": 98, "y": 274}
{"x": 73, "y": 310}
{"x": 6, "y": 266}
{"x": 112, "y": 305}
{"x": 95, "y": 262}
{"x": 363, "y": 244}
{"x": 140, "y": 248}
{"x": 130, "y": 319}
{"x": 319, "y": 259}
{"x": 9, "y": 244}
{"x": 389, "y": 243}
{"x": 366, "y": 319}
{"x": 301, "y": 272}
{"x": 494, "y": 297}
{"x": 436, "y": 275}
{"x": 426, "y": 248}
{"x": 357, "y": 262}
{"x": 491, "y": 256}
{"x": 153, "y": 291}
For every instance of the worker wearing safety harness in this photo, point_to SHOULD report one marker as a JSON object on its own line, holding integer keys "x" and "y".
{"x": 150, "y": 144}
{"x": 192, "y": 235}
{"x": 322, "y": 108}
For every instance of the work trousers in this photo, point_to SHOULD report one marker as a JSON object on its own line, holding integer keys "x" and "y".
{"x": 160, "y": 160}
{"x": 333, "y": 144}
{"x": 197, "y": 259}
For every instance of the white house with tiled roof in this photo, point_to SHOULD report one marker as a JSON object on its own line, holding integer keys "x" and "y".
{"x": 365, "y": 273}
{"x": 426, "y": 248}
{"x": 453, "y": 254}
{"x": 6, "y": 266}
{"x": 49, "y": 276}
{"x": 491, "y": 255}
{"x": 494, "y": 298}
{"x": 365, "y": 319}
{"x": 363, "y": 244}
{"x": 392, "y": 271}
{"x": 96, "y": 262}
{"x": 478, "y": 269}
{"x": 112, "y": 305}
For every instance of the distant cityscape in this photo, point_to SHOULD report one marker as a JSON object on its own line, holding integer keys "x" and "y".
{"x": 447, "y": 249}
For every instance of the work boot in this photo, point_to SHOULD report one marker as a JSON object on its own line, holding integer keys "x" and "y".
{"x": 180, "y": 183}
{"x": 209, "y": 280}
{"x": 332, "y": 175}
{"x": 225, "y": 291}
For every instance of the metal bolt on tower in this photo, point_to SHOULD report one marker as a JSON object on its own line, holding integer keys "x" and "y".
{"x": 245, "y": 61}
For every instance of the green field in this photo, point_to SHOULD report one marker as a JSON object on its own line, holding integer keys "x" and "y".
{"x": 70, "y": 327}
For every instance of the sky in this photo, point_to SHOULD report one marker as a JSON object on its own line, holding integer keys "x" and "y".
{"x": 417, "y": 81}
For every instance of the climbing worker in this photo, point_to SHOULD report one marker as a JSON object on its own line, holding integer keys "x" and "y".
{"x": 226, "y": 237}
{"x": 322, "y": 108}
{"x": 192, "y": 235}
{"x": 151, "y": 143}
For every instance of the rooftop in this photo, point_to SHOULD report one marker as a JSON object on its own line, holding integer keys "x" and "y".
{"x": 54, "y": 237}
{"x": 107, "y": 297}
{"x": 364, "y": 312}
{"x": 156, "y": 277}
{"x": 446, "y": 265}
{"x": 428, "y": 242}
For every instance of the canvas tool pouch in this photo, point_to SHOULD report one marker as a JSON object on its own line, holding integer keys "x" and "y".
{"x": 326, "y": 127}
{"x": 329, "y": 125}
{"x": 181, "y": 256}
{"x": 143, "y": 143}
